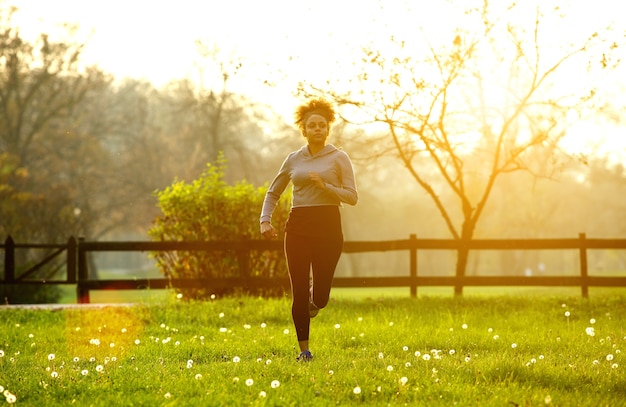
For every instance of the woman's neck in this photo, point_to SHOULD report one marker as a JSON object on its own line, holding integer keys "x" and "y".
{"x": 315, "y": 148}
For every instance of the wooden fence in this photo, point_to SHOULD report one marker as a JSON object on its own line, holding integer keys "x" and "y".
{"x": 78, "y": 273}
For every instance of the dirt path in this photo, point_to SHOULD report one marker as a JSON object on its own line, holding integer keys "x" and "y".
{"x": 58, "y": 307}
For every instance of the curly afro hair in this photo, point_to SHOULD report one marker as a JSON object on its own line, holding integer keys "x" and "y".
{"x": 314, "y": 106}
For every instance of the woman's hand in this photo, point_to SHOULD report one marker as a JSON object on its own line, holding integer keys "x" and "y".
{"x": 267, "y": 230}
{"x": 317, "y": 179}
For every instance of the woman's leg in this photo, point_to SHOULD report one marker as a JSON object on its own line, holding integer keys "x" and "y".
{"x": 326, "y": 254}
{"x": 298, "y": 253}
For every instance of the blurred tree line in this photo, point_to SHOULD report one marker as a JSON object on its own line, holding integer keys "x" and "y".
{"x": 81, "y": 153}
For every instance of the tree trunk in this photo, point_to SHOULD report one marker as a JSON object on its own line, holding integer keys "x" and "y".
{"x": 461, "y": 267}
{"x": 463, "y": 253}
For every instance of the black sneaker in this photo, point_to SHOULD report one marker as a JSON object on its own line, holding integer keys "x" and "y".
{"x": 305, "y": 356}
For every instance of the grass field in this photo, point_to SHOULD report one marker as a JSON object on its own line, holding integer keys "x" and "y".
{"x": 493, "y": 350}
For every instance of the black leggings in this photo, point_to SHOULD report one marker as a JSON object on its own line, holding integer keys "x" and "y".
{"x": 316, "y": 249}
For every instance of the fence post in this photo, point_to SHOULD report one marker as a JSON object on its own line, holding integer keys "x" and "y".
{"x": 413, "y": 264}
{"x": 9, "y": 260}
{"x": 71, "y": 260}
{"x": 82, "y": 292}
{"x": 583, "y": 265}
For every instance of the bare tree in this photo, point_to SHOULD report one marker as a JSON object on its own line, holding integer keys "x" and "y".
{"x": 210, "y": 118}
{"x": 474, "y": 105}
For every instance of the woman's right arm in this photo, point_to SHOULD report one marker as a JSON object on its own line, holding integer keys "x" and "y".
{"x": 275, "y": 190}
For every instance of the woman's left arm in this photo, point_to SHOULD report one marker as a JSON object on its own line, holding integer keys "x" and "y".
{"x": 347, "y": 192}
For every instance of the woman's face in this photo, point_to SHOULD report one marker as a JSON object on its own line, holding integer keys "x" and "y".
{"x": 316, "y": 129}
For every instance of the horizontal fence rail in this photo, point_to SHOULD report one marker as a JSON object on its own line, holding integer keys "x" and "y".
{"x": 78, "y": 274}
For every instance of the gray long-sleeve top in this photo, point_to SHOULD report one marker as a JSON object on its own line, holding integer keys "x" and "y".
{"x": 335, "y": 169}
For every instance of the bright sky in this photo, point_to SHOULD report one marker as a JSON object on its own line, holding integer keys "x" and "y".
{"x": 307, "y": 40}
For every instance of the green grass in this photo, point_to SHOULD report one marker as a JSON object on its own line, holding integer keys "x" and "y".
{"x": 434, "y": 350}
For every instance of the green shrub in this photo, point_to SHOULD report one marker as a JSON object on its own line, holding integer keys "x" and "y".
{"x": 209, "y": 209}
